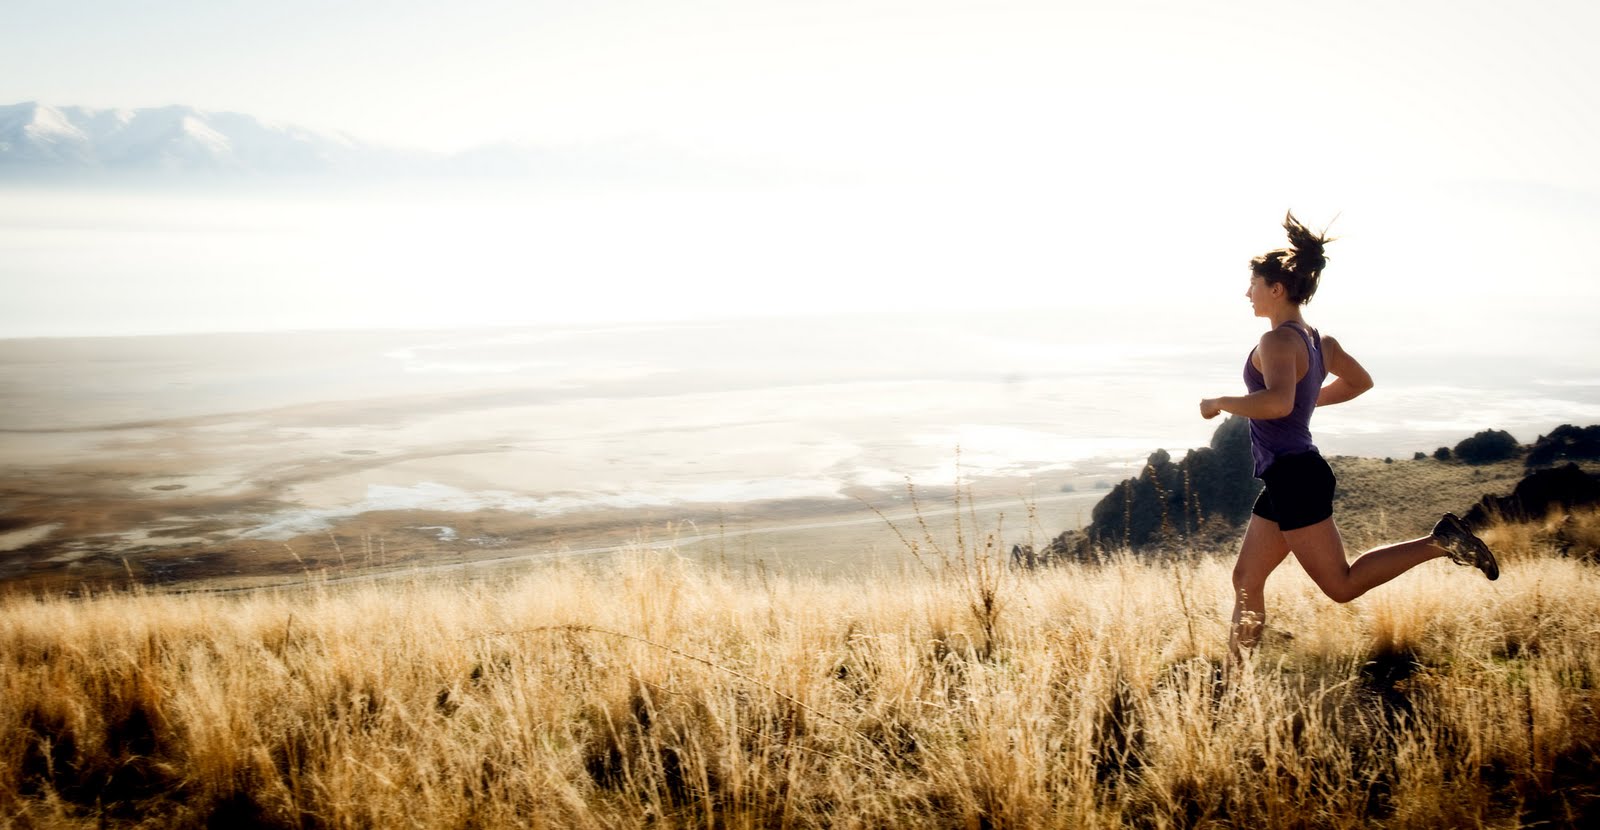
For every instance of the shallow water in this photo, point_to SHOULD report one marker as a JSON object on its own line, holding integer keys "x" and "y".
{"x": 292, "y": 433}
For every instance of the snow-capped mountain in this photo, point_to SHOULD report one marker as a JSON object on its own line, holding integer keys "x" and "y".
{"x": 44, "y": 143}
{"x": 40, "y": 139}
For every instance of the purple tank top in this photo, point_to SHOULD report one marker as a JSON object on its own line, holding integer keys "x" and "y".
{"x": 1271, "y": 438}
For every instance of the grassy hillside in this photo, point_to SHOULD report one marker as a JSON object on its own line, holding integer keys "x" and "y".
{"x": 1378, "y": 502}
{"x": 666, "y": 693}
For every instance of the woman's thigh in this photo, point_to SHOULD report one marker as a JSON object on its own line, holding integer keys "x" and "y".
{"x": 1320, "y": 550}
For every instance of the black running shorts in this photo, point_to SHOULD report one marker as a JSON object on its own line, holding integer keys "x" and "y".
{"x": 1299, "y": 491}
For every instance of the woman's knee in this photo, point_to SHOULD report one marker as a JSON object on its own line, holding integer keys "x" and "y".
{"x": 1248, "y": 580}
{"x": 1342, "y": 592}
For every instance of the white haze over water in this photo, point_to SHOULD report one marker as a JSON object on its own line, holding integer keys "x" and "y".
{"x": 776, "y": 342}
{"x": 1483, "y": 269}
{"x": 545, "y": 420}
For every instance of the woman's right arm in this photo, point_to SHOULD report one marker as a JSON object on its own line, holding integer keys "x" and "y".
{"x": 1350, "y": 379}
{"x": 1277, "y": 353}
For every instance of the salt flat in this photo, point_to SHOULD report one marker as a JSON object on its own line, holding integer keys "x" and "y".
{"x": 181, "y": 458}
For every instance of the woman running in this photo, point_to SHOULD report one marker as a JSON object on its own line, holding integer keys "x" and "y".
{"x": 1284, "y": 376}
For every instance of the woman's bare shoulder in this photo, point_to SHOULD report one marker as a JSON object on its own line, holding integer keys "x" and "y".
{"x": 1280, "y": 339}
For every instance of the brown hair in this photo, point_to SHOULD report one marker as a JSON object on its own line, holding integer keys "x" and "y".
{"x": 1298, "y": 267}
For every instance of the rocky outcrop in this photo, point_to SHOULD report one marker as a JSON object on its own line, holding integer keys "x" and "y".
{"x": 1537, "y": 494}
{"x": 1207, "y": 495}
{"x": 1203, "y": 500}
{"x": 1565, "y": 443}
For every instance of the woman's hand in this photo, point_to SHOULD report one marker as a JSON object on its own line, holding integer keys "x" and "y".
{"x": 1209, "y": 408}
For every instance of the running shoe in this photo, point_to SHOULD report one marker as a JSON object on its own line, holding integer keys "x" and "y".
{"x": 1463, "y": 546}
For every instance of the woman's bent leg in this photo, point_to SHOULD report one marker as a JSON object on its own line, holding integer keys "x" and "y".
{"x": 1263, "y": 550}
{"x": 1320, "y": 550}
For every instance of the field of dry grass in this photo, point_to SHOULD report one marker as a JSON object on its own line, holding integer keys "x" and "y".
{"x": 661, "y": 692}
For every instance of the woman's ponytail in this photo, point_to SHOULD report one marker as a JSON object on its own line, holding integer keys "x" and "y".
{"x": 1298, "y": 268}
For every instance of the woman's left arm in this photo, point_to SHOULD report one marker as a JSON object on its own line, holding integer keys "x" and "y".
{"x": 1350, "y": 379}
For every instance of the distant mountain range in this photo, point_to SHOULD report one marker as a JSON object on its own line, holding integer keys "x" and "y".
{"x": 39, "y": 142}
{"x": 40, "y": 139}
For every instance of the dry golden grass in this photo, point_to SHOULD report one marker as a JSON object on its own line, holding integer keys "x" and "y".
{"x": 663, "y": 693}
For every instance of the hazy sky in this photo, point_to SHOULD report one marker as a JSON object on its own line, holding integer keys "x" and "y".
{"x": 926, "y": 148}
{"x": 1501, "y": 90}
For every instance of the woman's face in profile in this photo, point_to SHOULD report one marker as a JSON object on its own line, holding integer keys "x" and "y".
{"x": 1260, "y": 295}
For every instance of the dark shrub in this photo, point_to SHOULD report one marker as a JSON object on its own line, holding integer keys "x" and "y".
{"x": 1442, "y": 454}
{"x": 1487, "y": 447}
{"x": 1419, "y": 456}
